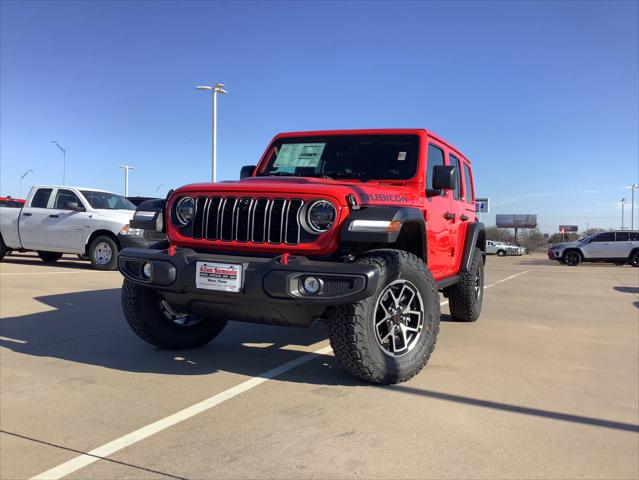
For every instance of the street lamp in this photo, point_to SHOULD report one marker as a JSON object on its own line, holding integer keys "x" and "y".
{"x": 632, "y": 187}
{"x": 159, "y": 186}
{"x": 215, "y": 89}
{"x": 126, "y": 178}
{"x": 623, "y": 202}
{"x": 22, "y": 178}
{"x": 64, "y": 162}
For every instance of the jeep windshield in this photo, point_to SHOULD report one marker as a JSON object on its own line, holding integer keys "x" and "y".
{"x": 362, "y": 157}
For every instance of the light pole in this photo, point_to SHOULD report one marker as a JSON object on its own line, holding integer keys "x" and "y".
{"x": 126, "y": 178}
{"x": 215, "y": 89}
{"x": 64, "y": 162}
{"x": 159, "y": 186}
{"x": 22, "y": 178}
{"x": 632, "y": 188}
{"x": 623, "y": 202}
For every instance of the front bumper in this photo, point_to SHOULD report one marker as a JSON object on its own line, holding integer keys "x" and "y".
{"x": 554, "y": 254}
{"x": 271, "y": 287}
{"x": 134, "y": 241}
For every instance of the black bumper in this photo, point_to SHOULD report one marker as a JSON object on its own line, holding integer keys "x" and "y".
{"x": 270, "y": 292}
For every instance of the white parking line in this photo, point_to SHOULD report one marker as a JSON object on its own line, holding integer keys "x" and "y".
{"x": 140, "y": 434}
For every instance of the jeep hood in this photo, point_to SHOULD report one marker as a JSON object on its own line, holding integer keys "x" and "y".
{"x": 366, "y": 193}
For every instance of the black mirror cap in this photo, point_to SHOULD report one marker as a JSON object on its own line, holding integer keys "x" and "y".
{"x": 247, "y": 171}
{"x": 72, "y": 206}
{"x": 443, "y": 177}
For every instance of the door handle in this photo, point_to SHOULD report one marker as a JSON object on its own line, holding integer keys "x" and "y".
{"x": 449, "y": 216}
{"x": 26, "y": 214}
{"x": 54, "y": 216}
{"x": 464, "y": 218}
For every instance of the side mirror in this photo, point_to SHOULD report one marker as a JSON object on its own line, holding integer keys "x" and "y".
{"x": 443, "y": 177}
{"x": 72, "y": 206}
{"x": 247, "y": 171}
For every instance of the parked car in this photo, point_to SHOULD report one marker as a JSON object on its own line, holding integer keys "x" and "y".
{"x": 618, "y": 247}
{"x": 61, "y": 219}
{"x": 496, "y": 248}
{"x": 10, "y": 202}
{"x": 359, "y": 228}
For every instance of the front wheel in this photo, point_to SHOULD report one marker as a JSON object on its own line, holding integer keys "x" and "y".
{"x": 466, "y": 296}
{"x": 501, "y": 253}
{"x": 158, "y": 323}
{"x": 388, "y": 337}
{"x": 3, "y": 248}
{"x": 103, "y": 253}
{"x": 572, "y": 258}
{"x": 49, "y": 257}
{"x": 634, "y": 258}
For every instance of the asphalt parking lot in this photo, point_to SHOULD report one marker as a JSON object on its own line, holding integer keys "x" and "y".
{"x": 544, "y": 385}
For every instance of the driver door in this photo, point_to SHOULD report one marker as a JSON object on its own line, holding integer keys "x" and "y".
{"x": 67, "y": 230}
{"x": 600, "y": 246}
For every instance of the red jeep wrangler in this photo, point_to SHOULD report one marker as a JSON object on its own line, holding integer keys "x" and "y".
{"x": 360, "y": 228}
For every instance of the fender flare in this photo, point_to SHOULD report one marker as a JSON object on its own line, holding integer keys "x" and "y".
{"x": 475, "y": 237}
{"x": 405, "y": 215}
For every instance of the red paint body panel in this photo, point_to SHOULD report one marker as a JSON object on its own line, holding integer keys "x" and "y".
{"x": 445, "y": 237}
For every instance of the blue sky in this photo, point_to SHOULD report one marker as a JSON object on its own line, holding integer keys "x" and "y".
{"x": 542, "y": 96}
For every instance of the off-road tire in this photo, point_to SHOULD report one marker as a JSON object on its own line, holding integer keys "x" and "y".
{"x": 112, "y": 264}
{"x": 141, "y": 307}
{"x": 49, "y": 257}
{"x": 633, "y": 259}
{"x": 351, "y": 328}
{"x": 572, "y": 258}
{"x": 501, "y": 253}
{"x": 464, "y": 301}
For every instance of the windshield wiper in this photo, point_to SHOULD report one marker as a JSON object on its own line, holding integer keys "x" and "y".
{"x": 344, "y": 174}
{"x": 280, "y": 174}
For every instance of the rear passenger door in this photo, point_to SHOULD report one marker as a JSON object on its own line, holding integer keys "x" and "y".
{"x": 32, "y": 223}
{"x": 623, "y": 245}
{"x": 458, "y": 209}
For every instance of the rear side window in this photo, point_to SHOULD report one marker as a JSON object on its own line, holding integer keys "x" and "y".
{"x": 435, "y": 157}
{"x": 64, "y": 196}
{"x": 468, "y": 186}
{"x": 605, "y": 237}
{"x": 454, "y": 162}
{"x": 634, "y": 236}
{"x": 41, "y": 198}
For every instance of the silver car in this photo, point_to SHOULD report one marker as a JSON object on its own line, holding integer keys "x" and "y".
{"x": 618, "y": 247}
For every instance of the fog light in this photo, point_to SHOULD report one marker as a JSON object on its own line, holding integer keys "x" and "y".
{"x": 146, "y": 270}
{"x": 312, "y": 285}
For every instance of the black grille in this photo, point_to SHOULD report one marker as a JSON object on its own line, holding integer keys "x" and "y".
{"x": 247, "y": 219}
{"x": 337, "y": 286}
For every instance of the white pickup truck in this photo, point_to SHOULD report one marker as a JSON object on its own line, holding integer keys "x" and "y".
{"x": 61, "y": 219}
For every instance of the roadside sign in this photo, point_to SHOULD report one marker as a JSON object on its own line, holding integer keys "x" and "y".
{"x": 516, "y": 221}
{"x": 568, "y": 228}
{"x": 482, "y": 205}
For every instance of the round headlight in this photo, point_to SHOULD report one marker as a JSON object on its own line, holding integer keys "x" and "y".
{"x": 320, "y": 216}
{"x": 184, "y": 210}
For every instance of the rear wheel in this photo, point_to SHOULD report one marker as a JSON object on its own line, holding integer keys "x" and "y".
{"x": 501, "y": 253}
{"x": 389, "y": 336}
{"x": 158, "y": 323}
{"x": 466, "y": 296}
{"x": 3, "y": 249}
{"x": 572, "y": 258}
{"x": 634, "y": 258}
{"x": 49, "y": 257}
{"x": 103, "y": 253}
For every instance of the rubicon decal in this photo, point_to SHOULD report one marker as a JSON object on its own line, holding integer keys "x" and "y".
{"x": 383, "y": 197}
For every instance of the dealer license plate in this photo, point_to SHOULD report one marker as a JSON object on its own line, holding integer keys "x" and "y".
{"x": 224, "y": 277}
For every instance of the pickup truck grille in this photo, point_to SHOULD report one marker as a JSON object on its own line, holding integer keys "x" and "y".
{"x": 247, "y": 219}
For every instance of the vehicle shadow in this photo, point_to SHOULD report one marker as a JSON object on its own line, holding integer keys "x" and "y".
{"x": 64, "y": 262}
{"x": 88, "y": 328}
{"x": 624, "y": 289}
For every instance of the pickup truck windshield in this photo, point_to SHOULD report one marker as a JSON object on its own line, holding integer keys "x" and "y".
{"x": 107, "y": 201}
{"x": 364, "y": 157}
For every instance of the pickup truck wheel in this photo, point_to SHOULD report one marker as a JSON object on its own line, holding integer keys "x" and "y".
{"x": 388, "y": 337}
{"x": 465, "y": 297}
{"x": 501, "y": 253}
{"x": 49, "y": 257}
{"x": 572, "y": 258}
{"x": 156, "y": 322}
{"x": 103, "y": 253}
{"x": 634, "y": 258}
{"x": 3, "y": 249}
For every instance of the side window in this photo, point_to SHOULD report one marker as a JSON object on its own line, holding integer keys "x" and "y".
{"x": 634, "y": 236}
{"x": 605, "y": 237}
{"x": 41, "y": 198}
{"x": 435, "y": 157}
{"x": 468, "y": 185}
{"x": 454, "y": 162}
{"x": 65, "y": 196}
{"x": 622, "y": 236}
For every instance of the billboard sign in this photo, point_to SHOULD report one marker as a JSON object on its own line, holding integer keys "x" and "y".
{"x": 482, "y": 205}
{"x": 516, "y": 221}
{"x": 568, "y": 228}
